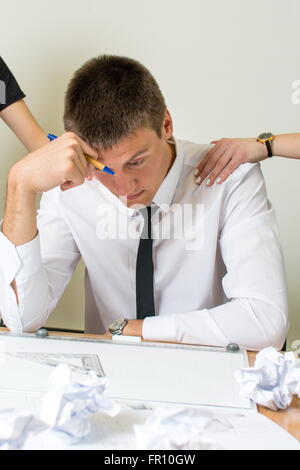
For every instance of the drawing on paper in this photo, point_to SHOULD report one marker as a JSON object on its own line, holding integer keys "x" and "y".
{"x": 77, "y": 362}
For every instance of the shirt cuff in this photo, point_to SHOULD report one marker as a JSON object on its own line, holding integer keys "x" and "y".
{"x": 31, "y": 259}
{"x": 10, "y": 261}
{"x": 161, "y": 328}
{"x": 23, "y": 260}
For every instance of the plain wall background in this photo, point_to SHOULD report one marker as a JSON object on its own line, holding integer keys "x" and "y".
{"x": 226, "y": 68}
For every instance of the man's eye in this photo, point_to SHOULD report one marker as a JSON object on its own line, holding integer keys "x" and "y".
{"x": 137, "y": 163}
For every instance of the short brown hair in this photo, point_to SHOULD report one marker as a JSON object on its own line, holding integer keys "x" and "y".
{"x": 111, "y": 97}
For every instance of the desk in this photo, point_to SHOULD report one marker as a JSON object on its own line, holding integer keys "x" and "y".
{"x": 288, "y": 419}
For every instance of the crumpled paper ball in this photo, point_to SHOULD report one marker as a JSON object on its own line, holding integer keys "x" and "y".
{"x": 273, "y": 380}
{"x": 68, "y": 404}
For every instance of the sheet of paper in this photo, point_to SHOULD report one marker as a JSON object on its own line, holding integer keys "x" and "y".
{"x": 253, "y": 431}
{"x": 147, "y": 374}
{"x": 250, "y": 431}
{"x": 22, "y": 402}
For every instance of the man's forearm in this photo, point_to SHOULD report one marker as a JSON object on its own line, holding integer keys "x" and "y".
{"x": 251, "y": 323}
{"x": 19, "y": 224}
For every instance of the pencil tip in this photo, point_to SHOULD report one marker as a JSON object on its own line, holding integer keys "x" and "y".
{"x": 108, "y": 170}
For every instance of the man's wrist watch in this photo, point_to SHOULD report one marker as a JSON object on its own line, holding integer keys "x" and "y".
{"x": 266, "y": 138}
{"x": 117, "y": 326}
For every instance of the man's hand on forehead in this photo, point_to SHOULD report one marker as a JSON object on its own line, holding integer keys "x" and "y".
{"x": 61, "y": 163}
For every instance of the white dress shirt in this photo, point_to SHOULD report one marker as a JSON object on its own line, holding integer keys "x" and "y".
{"x": 221, "y": 281}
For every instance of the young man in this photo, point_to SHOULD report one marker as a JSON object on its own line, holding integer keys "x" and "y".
{"x": 217, "y": 268}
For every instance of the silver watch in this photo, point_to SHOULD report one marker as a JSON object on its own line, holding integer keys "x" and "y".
{"x": 117, "y": 326}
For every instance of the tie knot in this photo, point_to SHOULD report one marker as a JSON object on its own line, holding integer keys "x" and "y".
{"x": 146, "y": 211}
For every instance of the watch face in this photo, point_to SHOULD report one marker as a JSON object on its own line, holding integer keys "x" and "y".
{"x": 265, "y": 135}
{"x": 116, "y": 324}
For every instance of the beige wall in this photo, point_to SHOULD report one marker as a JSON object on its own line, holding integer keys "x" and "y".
{"x": 226, "y": 69}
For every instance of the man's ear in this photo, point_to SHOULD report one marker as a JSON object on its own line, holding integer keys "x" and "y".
{"x": 167, "y": 128}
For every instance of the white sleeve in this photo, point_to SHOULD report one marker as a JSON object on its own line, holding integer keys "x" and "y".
{"x": 41, "y": 268}
{"x": 256, "y": 315}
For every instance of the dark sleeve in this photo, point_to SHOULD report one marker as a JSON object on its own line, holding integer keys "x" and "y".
{"x": 10, "y": 92}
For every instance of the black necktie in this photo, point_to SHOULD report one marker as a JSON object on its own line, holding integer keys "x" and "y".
{"x": 144, "y": 270}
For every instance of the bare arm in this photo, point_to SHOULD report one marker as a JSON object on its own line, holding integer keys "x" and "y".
{"x": 287, "y": 145}
{"x": 21, "y": 121}
{"x": 19, "y": 223}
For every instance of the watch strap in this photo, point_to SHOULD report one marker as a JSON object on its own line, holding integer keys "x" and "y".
{"x": 266, "y": 138}
{"x": 269, "y": 148}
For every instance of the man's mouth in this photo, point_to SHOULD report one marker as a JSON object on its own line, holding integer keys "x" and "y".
{"x": 135, "y": 195}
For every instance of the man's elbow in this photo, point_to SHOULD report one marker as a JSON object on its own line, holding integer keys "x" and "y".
{"x": 279, "y": 327}
{"x": 275, "y": 340}
{"x": 274, "y": 328}
{"x": 279, "y": 337}
{"x": 18, "y": 330}
{"x": 17, "y": 325}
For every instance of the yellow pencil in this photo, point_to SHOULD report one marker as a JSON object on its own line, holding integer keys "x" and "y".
{"x": 99, "y": 165}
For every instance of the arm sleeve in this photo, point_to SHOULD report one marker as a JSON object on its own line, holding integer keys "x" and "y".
{"x": 256, "y": 315}
{"x": 41, "y": 268}
{"x": 10, "y": 92}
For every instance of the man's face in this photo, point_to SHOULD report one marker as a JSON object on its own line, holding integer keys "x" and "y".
{"x": 140, "y": 163}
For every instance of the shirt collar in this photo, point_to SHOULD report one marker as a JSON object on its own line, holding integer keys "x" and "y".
{"x": 165, "y": 193}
